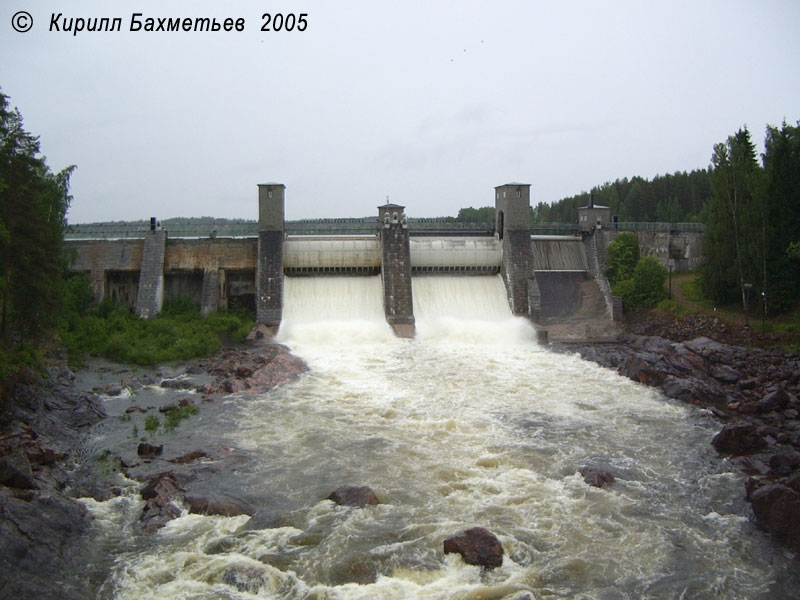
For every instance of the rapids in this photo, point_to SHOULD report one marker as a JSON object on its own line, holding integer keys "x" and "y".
{"x": 470, "y": 423}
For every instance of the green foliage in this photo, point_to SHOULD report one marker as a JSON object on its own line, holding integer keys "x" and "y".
{"x": 648, "y": 282}
{"x": 645, "y": 288}
{"x": 182, "y": 306}
{"x": 151, "y": 424}
{"x": 677, "y": 197}
{"x": 22, "y": 356}
{"x": 782, "y": 173}
{"x": 752, "y": 220}
{"x": 793, "y": 251}
{"x": 621, "y": 257}
{"x": 671, "y": 308}
{"x": 176, "y": 414}
{"x": 110, "y": 330}
{"x": 692, "y": 290}
{"x": 624, "y": 289}
{"x": 484, "y": 214}
{"x": 33, "y": 206}
{"x": 735, "y": 221}
{"x": 108, "y": 463}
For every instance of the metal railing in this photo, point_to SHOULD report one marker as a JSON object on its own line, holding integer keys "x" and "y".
{"x": 636, "y": 226}
{"x": 357, "y": 226}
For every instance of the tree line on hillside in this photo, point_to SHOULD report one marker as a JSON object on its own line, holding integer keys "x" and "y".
{"x": 676, "y": 198}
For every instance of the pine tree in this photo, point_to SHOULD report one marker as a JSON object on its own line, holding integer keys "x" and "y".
{"x": 735, "y": 220}
{"x": 33, "y": 206}
{"x": 782, "y": 168}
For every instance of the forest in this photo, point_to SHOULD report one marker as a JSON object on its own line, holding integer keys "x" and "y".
{"x": 676, "y": 198}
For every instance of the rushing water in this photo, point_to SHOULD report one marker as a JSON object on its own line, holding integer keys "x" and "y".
{"x": 470, "y": 423}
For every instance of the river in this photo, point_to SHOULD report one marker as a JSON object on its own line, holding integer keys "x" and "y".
{"x": 470, "y": 423}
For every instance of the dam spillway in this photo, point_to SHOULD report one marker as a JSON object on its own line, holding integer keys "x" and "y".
{"x": 470, "y": 423}
{"x": 556, "y": 281}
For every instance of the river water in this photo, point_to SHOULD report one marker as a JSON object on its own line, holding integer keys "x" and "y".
{"x": 469, "y": 424}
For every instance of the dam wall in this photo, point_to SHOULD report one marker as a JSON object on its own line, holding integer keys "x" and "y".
{"x": 682, "y": 249}
{"x": 556, "y": 281}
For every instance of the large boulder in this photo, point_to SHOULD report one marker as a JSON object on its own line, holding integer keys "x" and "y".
{"x": 596, "y": 477}
{"x": 739, "y": 439}
{"x": 146, "y": 450}
{"x": 42, "y": 541}
{"x": 15, "y": 471}
{"x": 777, "y": 509}
{"x": 349, "y": 495}
{"x": 777, "y": 400}
{"x": 477, "y": 546}
{"x": 227, "y": 508}
{"x": 161, "y": 493}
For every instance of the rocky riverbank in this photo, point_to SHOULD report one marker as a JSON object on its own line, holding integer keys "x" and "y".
{"x": 752, "y": 391}
{"x": 59, "y": 442}
{"x": 42, "y": 528}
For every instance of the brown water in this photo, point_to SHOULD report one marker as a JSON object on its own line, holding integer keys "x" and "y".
{"x": 471, "y": 423}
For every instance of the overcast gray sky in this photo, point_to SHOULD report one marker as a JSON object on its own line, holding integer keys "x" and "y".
{"x": 432, "y": 103}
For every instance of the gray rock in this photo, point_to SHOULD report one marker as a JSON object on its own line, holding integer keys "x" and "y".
{"x": 596, "y": 477}
{"x": 15, "y": 471}
{"x": 777, "y": 509}
{"x": 776, "y": 400}
{"x": 477, "y": 546}
{"x": 354, "y": 496}
{"x": 739, "y": 439}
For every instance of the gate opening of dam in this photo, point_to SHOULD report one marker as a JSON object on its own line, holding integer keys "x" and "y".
{"x": 554, "y": 278}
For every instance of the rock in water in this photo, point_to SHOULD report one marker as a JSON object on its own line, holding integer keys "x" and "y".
{"x": 349, "y": 495}
{"x": 477, "y": 546}
{"x": 226, "y": 508}
{"x": 596, "y": 477}
{"x": 149, "y": 450}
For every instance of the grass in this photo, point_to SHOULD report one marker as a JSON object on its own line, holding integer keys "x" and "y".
{"x": 176, "y": 414}
{"x": 151, "y": 424}
{"x": 785, "y": 324}
{"x": 689, "y": 299}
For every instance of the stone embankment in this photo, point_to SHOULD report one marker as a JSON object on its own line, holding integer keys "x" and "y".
{"x": 753, "y": 392}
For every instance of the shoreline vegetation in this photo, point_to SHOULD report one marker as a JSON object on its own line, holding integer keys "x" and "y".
{"x": 179, "y": 332}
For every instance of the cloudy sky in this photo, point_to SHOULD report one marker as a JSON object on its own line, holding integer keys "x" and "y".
{"x": 432, "y": 103}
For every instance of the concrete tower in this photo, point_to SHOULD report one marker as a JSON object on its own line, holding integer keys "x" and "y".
{"x": 269, "y": 270}
{"x": 398, "y": 305}
{"x": 513, "y": 228}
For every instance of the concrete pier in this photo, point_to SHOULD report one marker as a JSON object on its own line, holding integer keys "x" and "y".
{"x": 513, "y": 229}
{"x": 269, "y": 268}
{"x": 398, "y": 305}
{"x": 150, "y": 296}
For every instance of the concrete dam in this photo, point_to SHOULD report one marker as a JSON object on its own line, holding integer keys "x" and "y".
{"x": 556, "y": 281}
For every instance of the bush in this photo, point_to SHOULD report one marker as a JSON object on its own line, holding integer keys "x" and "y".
{"x": 179, "y": 333}
{"x": 645, "y": 288}
{"x": 622, "y": 256}
{"x": 648, "y": 282}
{"x": 22, "y": 356}
{"x": 182, "y": 306}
